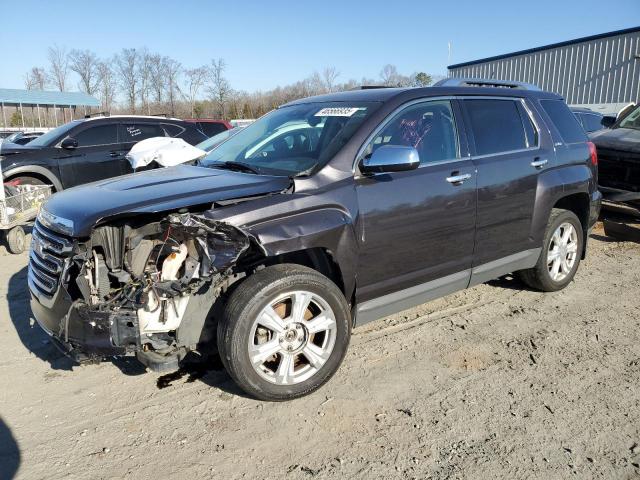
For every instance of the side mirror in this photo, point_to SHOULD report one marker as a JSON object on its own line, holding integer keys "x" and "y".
{"x": 391, "y": 158}
{"x": 608, "y": 121}
{"x": 69, "y": 143}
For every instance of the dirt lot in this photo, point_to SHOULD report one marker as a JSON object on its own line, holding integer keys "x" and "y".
{"x": 494, "y": 382}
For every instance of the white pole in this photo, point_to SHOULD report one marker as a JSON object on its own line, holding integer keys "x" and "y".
{"x": 22, "y": 115}
{"x": 39, "y": 120}
{"x": 55, "y": 113}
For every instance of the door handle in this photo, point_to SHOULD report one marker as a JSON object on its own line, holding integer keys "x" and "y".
{"x": 539, "y": 163}
{"x": 458, "y": 179}
{"x": 114, "y": 154}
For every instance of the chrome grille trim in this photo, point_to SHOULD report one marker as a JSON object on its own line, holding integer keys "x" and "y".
{"x": 47, "y": 260}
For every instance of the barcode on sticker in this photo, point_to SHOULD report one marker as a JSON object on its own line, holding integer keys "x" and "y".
{"x": 337, "y": 112}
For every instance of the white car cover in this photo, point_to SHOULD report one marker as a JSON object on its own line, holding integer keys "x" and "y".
{"x": 165, "y": 151}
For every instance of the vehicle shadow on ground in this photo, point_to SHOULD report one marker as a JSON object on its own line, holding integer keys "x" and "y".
{"x": 30, "y": 334}
{"x": 9, "y": 453}
{"x": 209, "y": 371}
{"x": 512, "y": 282}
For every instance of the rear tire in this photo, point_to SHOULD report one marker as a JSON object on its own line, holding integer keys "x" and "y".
{"x": 560, "y": 256}
{"x": 284, "y": 332}
{"x": 16, "y": 240}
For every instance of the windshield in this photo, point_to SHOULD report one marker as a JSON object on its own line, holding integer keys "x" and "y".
{"x": 293, "y": 140}
{"x": 52, "y": 135}
{"x": 632, "y": 120}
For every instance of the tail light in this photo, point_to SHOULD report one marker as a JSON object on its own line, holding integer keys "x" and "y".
{"x": 594, "y": 154}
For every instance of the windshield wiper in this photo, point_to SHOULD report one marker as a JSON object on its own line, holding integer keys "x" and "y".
{"x": 239, "y": 166}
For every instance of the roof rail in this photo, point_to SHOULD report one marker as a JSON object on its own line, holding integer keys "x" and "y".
{"x": 371, "y": 87}
{"x": 481, "y": 82}
{"x": 97, "y": 114}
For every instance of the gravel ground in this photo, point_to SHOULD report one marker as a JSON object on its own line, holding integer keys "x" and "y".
{"x": 494, "y": 382}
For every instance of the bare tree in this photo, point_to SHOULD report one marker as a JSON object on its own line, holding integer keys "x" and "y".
{"x": 36, "y": 79}
{"x": 127, "y": 69}
{"x": 157, "y": 78}
{"x": 107, "y": 81}
{"x": 58, "y": 67}
{"x": 220, "y": 88}
{"x": 85, "y": 64}
{"x": 388, "y": 74}
{"x": 144, "y": 75}
{"x": 196, "y": 78}
{"x": 329, "y": 75}
{"x": 172, "y": 70}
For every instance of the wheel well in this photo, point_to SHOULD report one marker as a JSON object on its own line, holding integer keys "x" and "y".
{"x": 319, "y": 259}
{"x": 38, "y": 176}
{"x": 577, "y": 203}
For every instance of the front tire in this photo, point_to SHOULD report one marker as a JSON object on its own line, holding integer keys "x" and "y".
{"x": 284, "y": 332}
{"x": 561, "y": 253}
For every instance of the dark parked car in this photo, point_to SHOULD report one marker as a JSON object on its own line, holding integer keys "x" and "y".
{"x": 619, "y": 154}
{"x": 591, "y": 121}
{"x": 209, "y": 126}
{"x": 327, "y": 213}
{"x": 86, "y": 150}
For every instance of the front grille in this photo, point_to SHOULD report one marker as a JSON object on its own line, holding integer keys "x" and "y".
{"x": 47, "y": 258}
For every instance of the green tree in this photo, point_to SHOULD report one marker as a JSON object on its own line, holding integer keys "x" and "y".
{"x": 16, "y": 119}
{"x": 422, "y": 79}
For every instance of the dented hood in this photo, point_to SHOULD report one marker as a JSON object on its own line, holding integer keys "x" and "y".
{"x": 155, "y": 191}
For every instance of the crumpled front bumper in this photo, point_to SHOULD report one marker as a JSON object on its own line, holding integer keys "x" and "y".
{"x": 80, "y": 333}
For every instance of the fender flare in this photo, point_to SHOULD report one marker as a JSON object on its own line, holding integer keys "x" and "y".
{"x": 35, "y": 169}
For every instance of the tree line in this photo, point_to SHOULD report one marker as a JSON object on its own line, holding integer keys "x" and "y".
{"x": 138, "y": 81}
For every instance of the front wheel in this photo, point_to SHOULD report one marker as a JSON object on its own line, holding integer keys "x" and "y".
{"x": 284, "y": 332}
{"x": 561, "y": 252}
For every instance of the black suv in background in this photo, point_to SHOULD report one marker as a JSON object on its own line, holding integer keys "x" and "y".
{"x": 325, "y": 214}
{"x": 88, "y": 149}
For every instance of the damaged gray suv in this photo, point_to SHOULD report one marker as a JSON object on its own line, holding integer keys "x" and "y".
{"x": 326, "y": 213}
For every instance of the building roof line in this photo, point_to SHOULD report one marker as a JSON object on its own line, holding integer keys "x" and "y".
{"x": 15, "y": 97}
{"x": 547, "y": 47}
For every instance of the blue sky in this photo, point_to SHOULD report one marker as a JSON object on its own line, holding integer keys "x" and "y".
{"x": 267, "y": 43}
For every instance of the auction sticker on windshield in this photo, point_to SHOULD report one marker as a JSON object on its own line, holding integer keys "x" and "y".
{"x": 337, "y": 112}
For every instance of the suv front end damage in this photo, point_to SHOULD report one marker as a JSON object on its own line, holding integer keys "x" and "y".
{"x": 132, "y": 287}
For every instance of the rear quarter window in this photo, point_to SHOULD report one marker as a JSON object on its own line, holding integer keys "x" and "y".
{"x": 497, "y": 126}
{"x": 565, "y": 121}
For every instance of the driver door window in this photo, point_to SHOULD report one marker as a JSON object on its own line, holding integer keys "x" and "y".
{"x": 429, "y": 127}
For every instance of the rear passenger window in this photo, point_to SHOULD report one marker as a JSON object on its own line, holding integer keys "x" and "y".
{"x": 172, "y": 130}
{"x": 497, "y": 126}
{"x": 565, "y": 121}
{"x": 99, "y": 135}
{"x": 429, "y": 127}
{"x": 134, "y": 132}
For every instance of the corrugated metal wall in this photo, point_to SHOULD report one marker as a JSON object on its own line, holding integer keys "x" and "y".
{"x": 600, "y": 71}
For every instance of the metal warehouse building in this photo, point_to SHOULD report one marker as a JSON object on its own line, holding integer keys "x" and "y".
{"x": 601, "y": 72}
